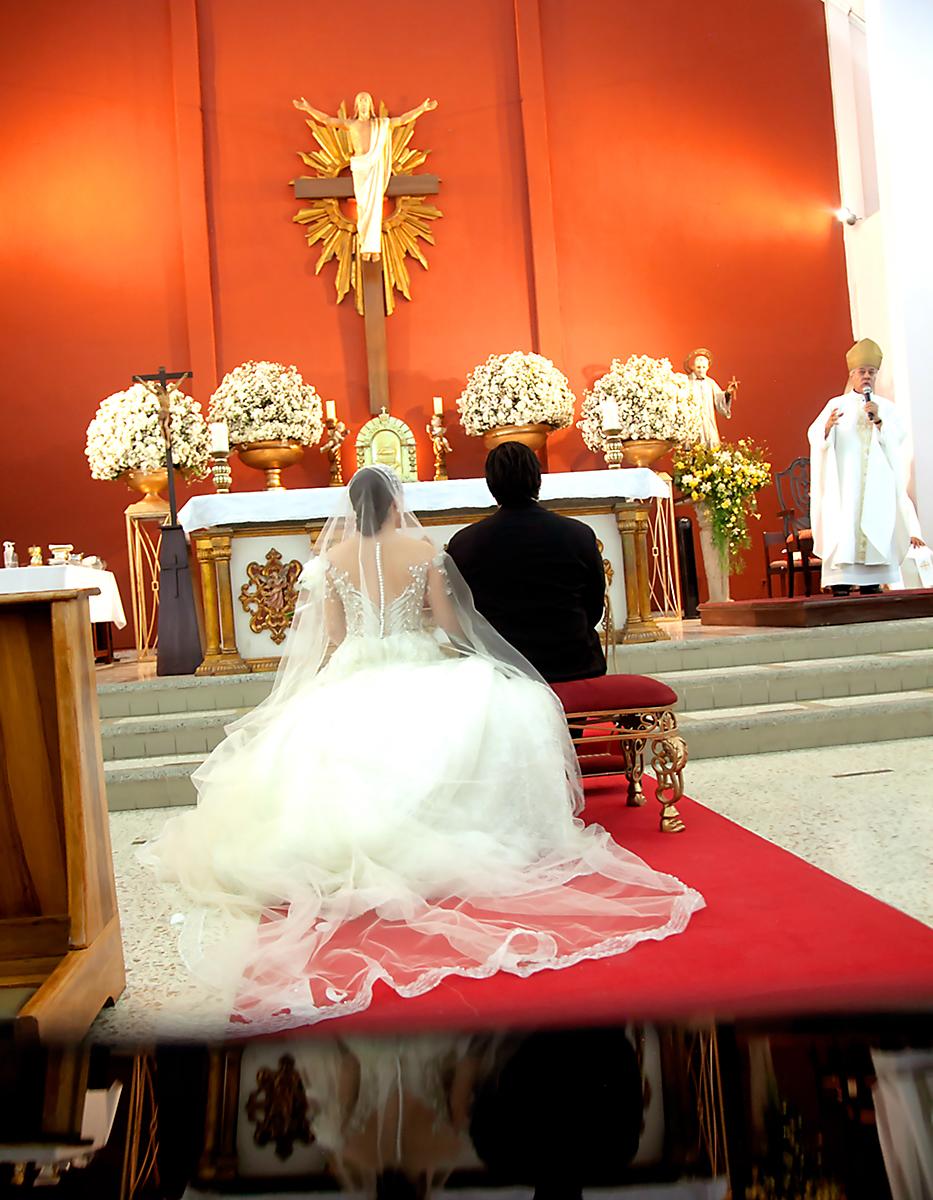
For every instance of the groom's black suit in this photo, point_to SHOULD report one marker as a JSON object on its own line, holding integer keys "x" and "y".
{"x": 538, "y": 578}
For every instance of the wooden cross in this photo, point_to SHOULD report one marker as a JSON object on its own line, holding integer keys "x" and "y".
{"x": 162, "y": 384}
{"x": 340, "y": 187}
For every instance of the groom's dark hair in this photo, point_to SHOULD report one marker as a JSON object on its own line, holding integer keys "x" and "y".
{"x": 513, "y": 473}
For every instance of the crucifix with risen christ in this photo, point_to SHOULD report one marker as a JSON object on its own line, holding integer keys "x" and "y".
{"x": 369, "y": 244}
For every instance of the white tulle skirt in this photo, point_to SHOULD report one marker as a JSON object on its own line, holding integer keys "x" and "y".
{"x": 405, "y": 817}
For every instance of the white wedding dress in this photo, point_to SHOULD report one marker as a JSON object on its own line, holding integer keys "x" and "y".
{"x": 402, "y": 808}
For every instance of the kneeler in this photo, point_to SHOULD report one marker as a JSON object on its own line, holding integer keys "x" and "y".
{"x": 617, "y": 721}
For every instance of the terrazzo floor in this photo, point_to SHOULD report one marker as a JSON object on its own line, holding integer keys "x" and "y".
{"x": 862, "y": 813}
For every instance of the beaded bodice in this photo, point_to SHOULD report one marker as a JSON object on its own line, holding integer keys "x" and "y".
{"x": 382, "y": 615}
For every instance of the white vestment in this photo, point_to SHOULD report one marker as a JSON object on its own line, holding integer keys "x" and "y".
{"x": 371, "y": 173}
{"x": 861, "y": 515}
{"x": 710, "y": 399}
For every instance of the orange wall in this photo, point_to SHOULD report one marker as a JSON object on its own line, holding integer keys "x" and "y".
{"x": 692, "y": 163}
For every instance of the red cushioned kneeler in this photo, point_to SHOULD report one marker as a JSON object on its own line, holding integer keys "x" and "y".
{"x": 616, "y": 721}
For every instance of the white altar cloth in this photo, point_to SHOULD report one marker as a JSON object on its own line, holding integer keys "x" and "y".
{"x": 106, "y": 607}
{"x": 449, "y": 495}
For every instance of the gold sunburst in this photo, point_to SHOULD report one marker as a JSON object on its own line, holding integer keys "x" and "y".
{"x": 403, "y": 229}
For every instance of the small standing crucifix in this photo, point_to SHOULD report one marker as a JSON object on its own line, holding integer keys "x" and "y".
{"x": 377, "y": 243}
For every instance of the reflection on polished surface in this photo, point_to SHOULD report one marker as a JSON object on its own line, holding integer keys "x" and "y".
{"x": 644, "y": 1111}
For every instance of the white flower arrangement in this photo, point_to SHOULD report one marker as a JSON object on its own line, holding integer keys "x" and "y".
{"x": 125, "y": 435}
{"x": 515, "y": 389}
{"x": 652, "y": 399}
{"x": 267, "y": 402}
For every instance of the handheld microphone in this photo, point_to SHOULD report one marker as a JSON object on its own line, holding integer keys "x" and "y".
{"x": 866, "y": 400}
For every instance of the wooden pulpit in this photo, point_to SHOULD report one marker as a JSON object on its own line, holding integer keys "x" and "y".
{"x": 60, "y": 946}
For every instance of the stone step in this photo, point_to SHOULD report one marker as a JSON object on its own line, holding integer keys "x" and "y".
{"x": 155, "y": 735}
{"x": 709, "y": 651}
{"x": 714, "y": 652}
{"x": 183, "y": 693}
{"x": 199, "y": 731}
{"x": 814, "y": 679}
{"x": 162, "y": 781}
{"x": 832, "y": 721}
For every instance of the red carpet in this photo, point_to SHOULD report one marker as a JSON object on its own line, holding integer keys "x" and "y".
{"x": 778, "y": 936}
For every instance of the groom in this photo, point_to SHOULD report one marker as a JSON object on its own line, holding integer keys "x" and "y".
{"x": 536, "y": 576}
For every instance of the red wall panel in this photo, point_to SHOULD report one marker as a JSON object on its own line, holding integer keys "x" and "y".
{"x": 693, "y": 169}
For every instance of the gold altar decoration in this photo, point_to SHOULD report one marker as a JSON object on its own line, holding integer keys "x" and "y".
{"x": 644, "y": 452}
{"x": 608, "y": 622}
{"x": 272, "y": 457}
{"x": 437, "y": 432}
{"x": 664, "y": 565}
{"x": 533, "y": 436}
{"x": 271, "y": 595}
{"x": 144, "y": 520}
{"x": 35, "y": 556}
{"x": 388, "y": 441}
{"x": 220, "y": 472}
{"x": 336, "y": 433}
{"x": 403, "y": 227}
{"x": 141, "y": 1154}
{"x": 279, "y": 1108}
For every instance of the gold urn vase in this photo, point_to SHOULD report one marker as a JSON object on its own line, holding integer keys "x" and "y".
{"x": 533, "y": 436}
{"x": 644, "y": 452}
{"x": 150, "y": 485}
{"x": 271, "y": 457}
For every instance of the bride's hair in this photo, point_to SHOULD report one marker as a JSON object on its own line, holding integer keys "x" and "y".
{"x": 372, "y": 496}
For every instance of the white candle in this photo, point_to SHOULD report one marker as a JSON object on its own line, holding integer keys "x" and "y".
{"x": 439, "y": 406}
{"x": 330, "y": 408}
{"x": 220, "y": 437}
{"x": 610, "y": 414}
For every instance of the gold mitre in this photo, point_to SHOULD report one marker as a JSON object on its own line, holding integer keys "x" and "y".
{"x": 865, "y": 353}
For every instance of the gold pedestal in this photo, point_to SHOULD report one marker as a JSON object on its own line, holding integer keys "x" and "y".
{"x": 640, "y": 626}
{"x": 144, "y": 521}
{"x": 664, "y": 565}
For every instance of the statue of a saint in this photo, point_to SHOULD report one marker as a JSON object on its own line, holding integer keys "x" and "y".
{"x": 371, "y": 164}
{"x": 709, "y": 395}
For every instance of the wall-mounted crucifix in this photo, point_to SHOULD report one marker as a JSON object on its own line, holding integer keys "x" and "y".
{"x": 369, "y": 242}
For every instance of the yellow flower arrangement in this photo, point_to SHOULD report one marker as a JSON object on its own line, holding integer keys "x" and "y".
{"x": 726, "y": 479}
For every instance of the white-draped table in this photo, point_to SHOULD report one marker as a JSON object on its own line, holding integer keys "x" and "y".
{"x": 105, "y": 606}
{"x": 248, "y": 544}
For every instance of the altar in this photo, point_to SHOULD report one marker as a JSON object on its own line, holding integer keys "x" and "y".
{"x": 250, "y": 547}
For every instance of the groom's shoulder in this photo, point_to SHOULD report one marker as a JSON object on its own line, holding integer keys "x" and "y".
{"x": 571, "y": 527}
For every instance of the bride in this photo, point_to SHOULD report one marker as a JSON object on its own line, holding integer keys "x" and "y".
{"x": 404, "y": 805}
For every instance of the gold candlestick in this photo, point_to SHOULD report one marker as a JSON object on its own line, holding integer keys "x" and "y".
{"x": 612, "y": 448}
{"x": 437, "y": 432}
{"x": 220, "y": 470}
{"x": 336, "y": 435}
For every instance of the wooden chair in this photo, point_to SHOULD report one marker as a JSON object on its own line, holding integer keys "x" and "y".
{"x": 59, "y": 926}
{"x": 776, "y": 560}
{"x": 793, "y": 493}
{"x": 632, "y": 715}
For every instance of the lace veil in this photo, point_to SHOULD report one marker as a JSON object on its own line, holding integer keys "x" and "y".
{"x": 375, "y": 574}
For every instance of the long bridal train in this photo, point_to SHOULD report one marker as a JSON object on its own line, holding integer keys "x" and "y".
{"x": 403, "y": 807}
